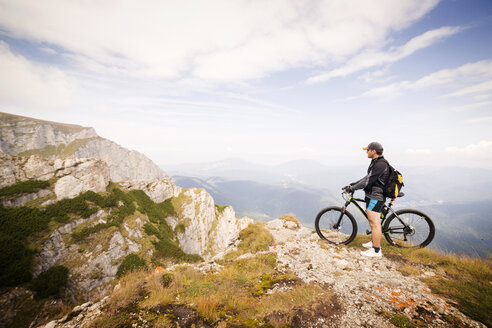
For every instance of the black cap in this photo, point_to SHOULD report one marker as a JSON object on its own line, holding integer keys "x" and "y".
{"x": 374, "y": 146}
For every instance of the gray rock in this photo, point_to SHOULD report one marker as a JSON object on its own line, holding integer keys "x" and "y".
{"x": 20, "y": 134}
{"x": 19, "y": 201}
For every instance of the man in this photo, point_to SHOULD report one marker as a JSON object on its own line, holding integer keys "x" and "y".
{"x": 373, "y": 184}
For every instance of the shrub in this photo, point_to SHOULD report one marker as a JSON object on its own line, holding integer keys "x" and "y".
{"x": 166, "y": 248}
{"x": 24, "y": 187}
{"x": 401, "y": 320}
{"x": 49, "y": 283}
{"x": 76, "y": 205}
{"x": 15, "y": 261}
{"x": 166, "y": 279}
{"x": 155, "y": 212}
{"x": 131, "y": 262}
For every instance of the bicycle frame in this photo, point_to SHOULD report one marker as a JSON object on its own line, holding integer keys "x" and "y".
{"x": 353, "y": 200}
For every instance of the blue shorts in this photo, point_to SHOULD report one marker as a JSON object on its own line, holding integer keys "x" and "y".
{"x": 374, "y": 205}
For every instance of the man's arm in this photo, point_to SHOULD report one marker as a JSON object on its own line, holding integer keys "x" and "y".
{"x": 371, "y": 177}
{"x": 361, "y": 184}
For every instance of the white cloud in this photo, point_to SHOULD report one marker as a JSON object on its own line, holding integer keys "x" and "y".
{"x": 216, "y": 40}
{"x": 374, "y": 58}
{"x": 23, "y": 83}
{"x": 472, "y": 106}
{"x": 480, "y": 119}
{"x": 481, "y": 87}
{"x": 48, "y": 50}
{"x": 457, "y": 78}
{"x": 481, "y": 149}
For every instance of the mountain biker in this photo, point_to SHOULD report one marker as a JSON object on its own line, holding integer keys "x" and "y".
{"x": 373, "y": 184}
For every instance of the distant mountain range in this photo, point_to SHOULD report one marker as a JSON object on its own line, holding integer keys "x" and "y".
{"x": 458, "y": 199}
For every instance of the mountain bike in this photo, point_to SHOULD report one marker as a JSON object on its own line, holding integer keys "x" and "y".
{"x": 405, "y": 228}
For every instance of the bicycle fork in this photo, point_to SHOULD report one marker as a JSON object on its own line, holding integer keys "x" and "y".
{"x": 338, "y": 225}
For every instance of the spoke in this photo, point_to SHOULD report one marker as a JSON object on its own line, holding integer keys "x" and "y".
{"x": 332, "y": 229}
{"x": 414, "y": 232}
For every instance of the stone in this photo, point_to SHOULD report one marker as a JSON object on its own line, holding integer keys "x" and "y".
{"x": 157, "y": 190}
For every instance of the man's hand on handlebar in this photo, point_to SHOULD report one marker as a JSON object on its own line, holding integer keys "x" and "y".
{"x": 347, "y": 189}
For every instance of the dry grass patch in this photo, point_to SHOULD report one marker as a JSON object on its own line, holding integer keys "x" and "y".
{"x": 284, "y": 301}
{"x": 408, "y": 270}
{"x": 291, "y": 218}
{"x": 158, "y": 293}
{"x": 131, "y": 290}
{"x": 254, "y": 238}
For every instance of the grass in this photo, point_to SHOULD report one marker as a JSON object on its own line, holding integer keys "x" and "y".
{"x": 61, "y": 149}
{"x": 400, "y": 320}
{"x": 291, "y": 218}
{"x": 230, "y": 295}
{"x": 219, "y": 208}
{"x": 254, "y": 238}
{"x": 238, "y": 295}
{"x": 466, "y": 280}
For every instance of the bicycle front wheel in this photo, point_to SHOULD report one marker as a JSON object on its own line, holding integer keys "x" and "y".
{"x": 335, "y": 227}
{"x": 409, "y": 228}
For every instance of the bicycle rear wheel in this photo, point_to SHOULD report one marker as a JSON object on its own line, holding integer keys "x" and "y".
{"x": 408, "y": 229}
{"x": 335, "y": 227}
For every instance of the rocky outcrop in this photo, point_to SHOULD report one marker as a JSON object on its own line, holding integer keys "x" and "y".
{"x": 77, "y": 175}
{"x": 18, "y": 133}
{"x": 54, "y": 248}
{"x": 123, "y": 164}
{"x": 20, "y": 201}
{"x": 15, "y": 169}
{"x": 157, "y": 190}
{"x": 81, "y": 316}
{"x": 27, "y": 136}
{"x": 201, "y": 227}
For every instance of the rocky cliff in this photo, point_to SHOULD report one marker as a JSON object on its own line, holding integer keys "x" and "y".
{"x": 73, "y": 201}
{"x": 196, "y": 224}
{"x": 27, "y": 136}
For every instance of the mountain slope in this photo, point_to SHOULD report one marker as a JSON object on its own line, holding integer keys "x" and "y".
{"x": 27, "y": 136}
{"x": 282, "y": 275}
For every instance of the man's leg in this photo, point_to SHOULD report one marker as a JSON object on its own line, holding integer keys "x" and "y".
{"x": 375, "y": 224}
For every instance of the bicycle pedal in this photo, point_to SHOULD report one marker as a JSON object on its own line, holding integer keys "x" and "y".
{"x": 368, "y": 232}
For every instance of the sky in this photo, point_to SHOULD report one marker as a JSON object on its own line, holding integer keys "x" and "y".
{"x": 266, "y": 81}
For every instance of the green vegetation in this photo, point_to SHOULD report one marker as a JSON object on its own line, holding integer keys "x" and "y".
{"x": 166, "y": 279}
{"x": 401, "y": 320}
{"x": 61, "y": 149}
{"x": 220, "y": 208}
{"x": 23, "y": 222}
{"x": 49, "y": 283}
{"x": 131, "y": 262}
{"x": 254, "y": 238}
{"x": 15, "y": 261}
{"x": 227, "y": 295}
{"x": 24, "y": 187}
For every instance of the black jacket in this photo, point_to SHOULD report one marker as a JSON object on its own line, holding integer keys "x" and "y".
{"x": 374, "y": 181}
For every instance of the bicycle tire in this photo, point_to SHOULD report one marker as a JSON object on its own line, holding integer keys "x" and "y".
{"x": 418, "y": 233}
{"x": 327, "y": 218}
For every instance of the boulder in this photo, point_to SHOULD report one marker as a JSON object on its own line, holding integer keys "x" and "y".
{"x": 157, "y": 190}
{"x": 78, "y": 175}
